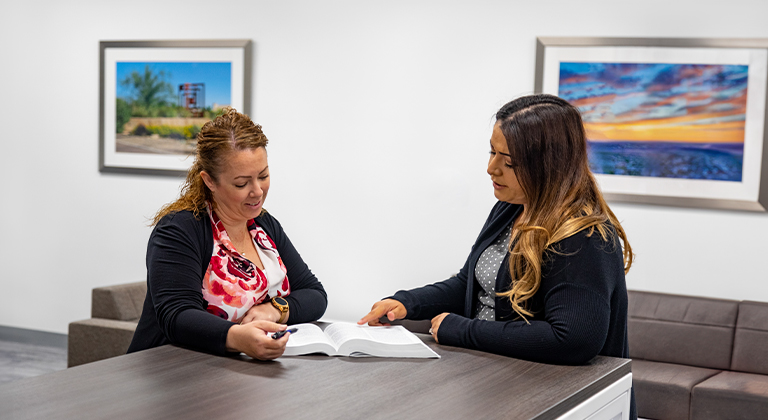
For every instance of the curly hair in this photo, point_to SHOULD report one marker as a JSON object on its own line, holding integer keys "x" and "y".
{"x": 227, "y": 133}
{"x": 547, "y": 142}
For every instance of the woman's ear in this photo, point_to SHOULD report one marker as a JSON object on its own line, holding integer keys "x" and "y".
{"x": 208, "y": 181}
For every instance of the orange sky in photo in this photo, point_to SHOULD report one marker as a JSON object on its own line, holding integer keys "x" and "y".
{"x": 677, "y": 129}
{"x": 658, "y": 102}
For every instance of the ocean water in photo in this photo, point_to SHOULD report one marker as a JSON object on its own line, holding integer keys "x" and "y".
{"x": 712, "y": 161}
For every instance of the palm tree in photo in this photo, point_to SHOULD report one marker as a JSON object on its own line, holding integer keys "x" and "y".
{"x": 150, "y": 92}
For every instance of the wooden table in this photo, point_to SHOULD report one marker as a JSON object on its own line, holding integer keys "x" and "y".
{"x": 174, "y": 383}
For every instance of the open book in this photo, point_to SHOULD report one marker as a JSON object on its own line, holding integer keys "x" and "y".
{"x": 347, "y": 339}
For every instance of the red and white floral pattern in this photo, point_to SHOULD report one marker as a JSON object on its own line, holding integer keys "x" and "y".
{"x": 232, "y": 284}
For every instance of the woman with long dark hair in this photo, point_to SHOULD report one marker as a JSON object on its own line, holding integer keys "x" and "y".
{"x": 545, "y": 278}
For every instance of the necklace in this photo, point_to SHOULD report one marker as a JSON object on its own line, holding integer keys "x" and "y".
{"x": 242, "y": 247}
{"x": 242, "y": 252}
{"x": 242, "y": 243}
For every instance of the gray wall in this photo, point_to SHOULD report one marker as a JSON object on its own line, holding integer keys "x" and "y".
{"x": 378, "y": 114}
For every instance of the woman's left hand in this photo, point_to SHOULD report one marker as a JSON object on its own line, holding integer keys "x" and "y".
{"x": 436, "y": 321}
{"x": 261, "y": 312}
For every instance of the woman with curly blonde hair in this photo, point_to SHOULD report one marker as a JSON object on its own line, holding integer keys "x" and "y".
{"x": 221, "y": 272}
{"x": 545, "y": 278}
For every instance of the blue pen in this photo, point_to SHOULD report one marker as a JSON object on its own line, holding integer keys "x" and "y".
{"x": 280, "y": 334}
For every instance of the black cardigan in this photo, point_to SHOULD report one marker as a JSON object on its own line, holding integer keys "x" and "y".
{"x": 580, "y": 309}
{"x": 178, "y": 255}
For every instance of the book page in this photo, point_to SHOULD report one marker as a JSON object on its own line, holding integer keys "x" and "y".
{"x": 348, "y": 339}
{"x": 362, "y": 340}
{"x": 341, "y": 332}
{"x": 392, "y": 335}
{"x": 308, "y": 338}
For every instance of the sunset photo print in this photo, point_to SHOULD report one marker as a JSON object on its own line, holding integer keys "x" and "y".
{"x": 661, "y": 120}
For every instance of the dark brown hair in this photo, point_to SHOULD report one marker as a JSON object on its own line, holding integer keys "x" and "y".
{"x": 227, "y": 133}
{"x": 547, "y": 144}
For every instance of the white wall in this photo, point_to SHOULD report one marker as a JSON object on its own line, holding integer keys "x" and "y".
{"x": 378, "y": 114}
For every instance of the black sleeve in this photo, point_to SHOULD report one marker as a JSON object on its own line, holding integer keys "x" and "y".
{"x": 576, "y": 312}
{"x": 175, "y": 268}
{"x": 431, "y": 300}
{"x": 307, "y": 300}
{"x": 448, "y": 295}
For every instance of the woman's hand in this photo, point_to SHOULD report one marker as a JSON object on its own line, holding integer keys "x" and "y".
{"x": 393, "y": 309}
{"x": 262, "y": 312}
{"x": 436, "y": 321}
{"x": 252, "y": 339}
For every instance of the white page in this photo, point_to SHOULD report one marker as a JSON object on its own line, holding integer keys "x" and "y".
{"x": 343, "y": 332}
{"x": 307, "y": 334}
{"x": 392, "y": 335}
{"x": 393, "y": 341}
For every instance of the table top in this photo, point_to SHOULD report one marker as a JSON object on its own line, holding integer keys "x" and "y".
{"x": 173, "y": 382}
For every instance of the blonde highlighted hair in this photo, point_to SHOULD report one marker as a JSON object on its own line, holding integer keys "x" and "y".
{"x": 217, "y": 140}
{"x": 547, "y": 143}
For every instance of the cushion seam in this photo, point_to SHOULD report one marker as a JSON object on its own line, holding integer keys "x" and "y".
{"x": 681, "y": 322}
{"x": 751, "y": 329}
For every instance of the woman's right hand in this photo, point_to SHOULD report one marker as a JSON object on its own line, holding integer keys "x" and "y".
{"x": 252, "y": 339}
{"x": 393, "y": 309}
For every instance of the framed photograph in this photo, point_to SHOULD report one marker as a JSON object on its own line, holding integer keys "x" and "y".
{"x": 156, "y": 95}
{"x": 669, "y": 121}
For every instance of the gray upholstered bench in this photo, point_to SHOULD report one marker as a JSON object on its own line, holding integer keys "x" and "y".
{"x": 115, "y": 312}
{"x": 698, "y": 357}
{"x": 742, "y": 392}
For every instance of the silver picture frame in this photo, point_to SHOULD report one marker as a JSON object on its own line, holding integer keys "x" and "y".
{"x": 233, "y": 62}
{"x": 751, "y": 192}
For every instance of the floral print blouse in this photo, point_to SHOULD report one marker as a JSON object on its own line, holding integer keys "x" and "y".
{"x": 233, "y": 284}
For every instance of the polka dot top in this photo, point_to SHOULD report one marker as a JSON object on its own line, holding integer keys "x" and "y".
{"x": 486, "y": 270}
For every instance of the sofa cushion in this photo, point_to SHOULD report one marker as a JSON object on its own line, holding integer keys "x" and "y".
{"x": 94, "y": 339}
{"x": 750, "y": 344}
{"x": 731, "y": 395}
{"x": 663, "y": 390}
{"x": 122, "y": 302}
{"x": 681, "y": 329}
